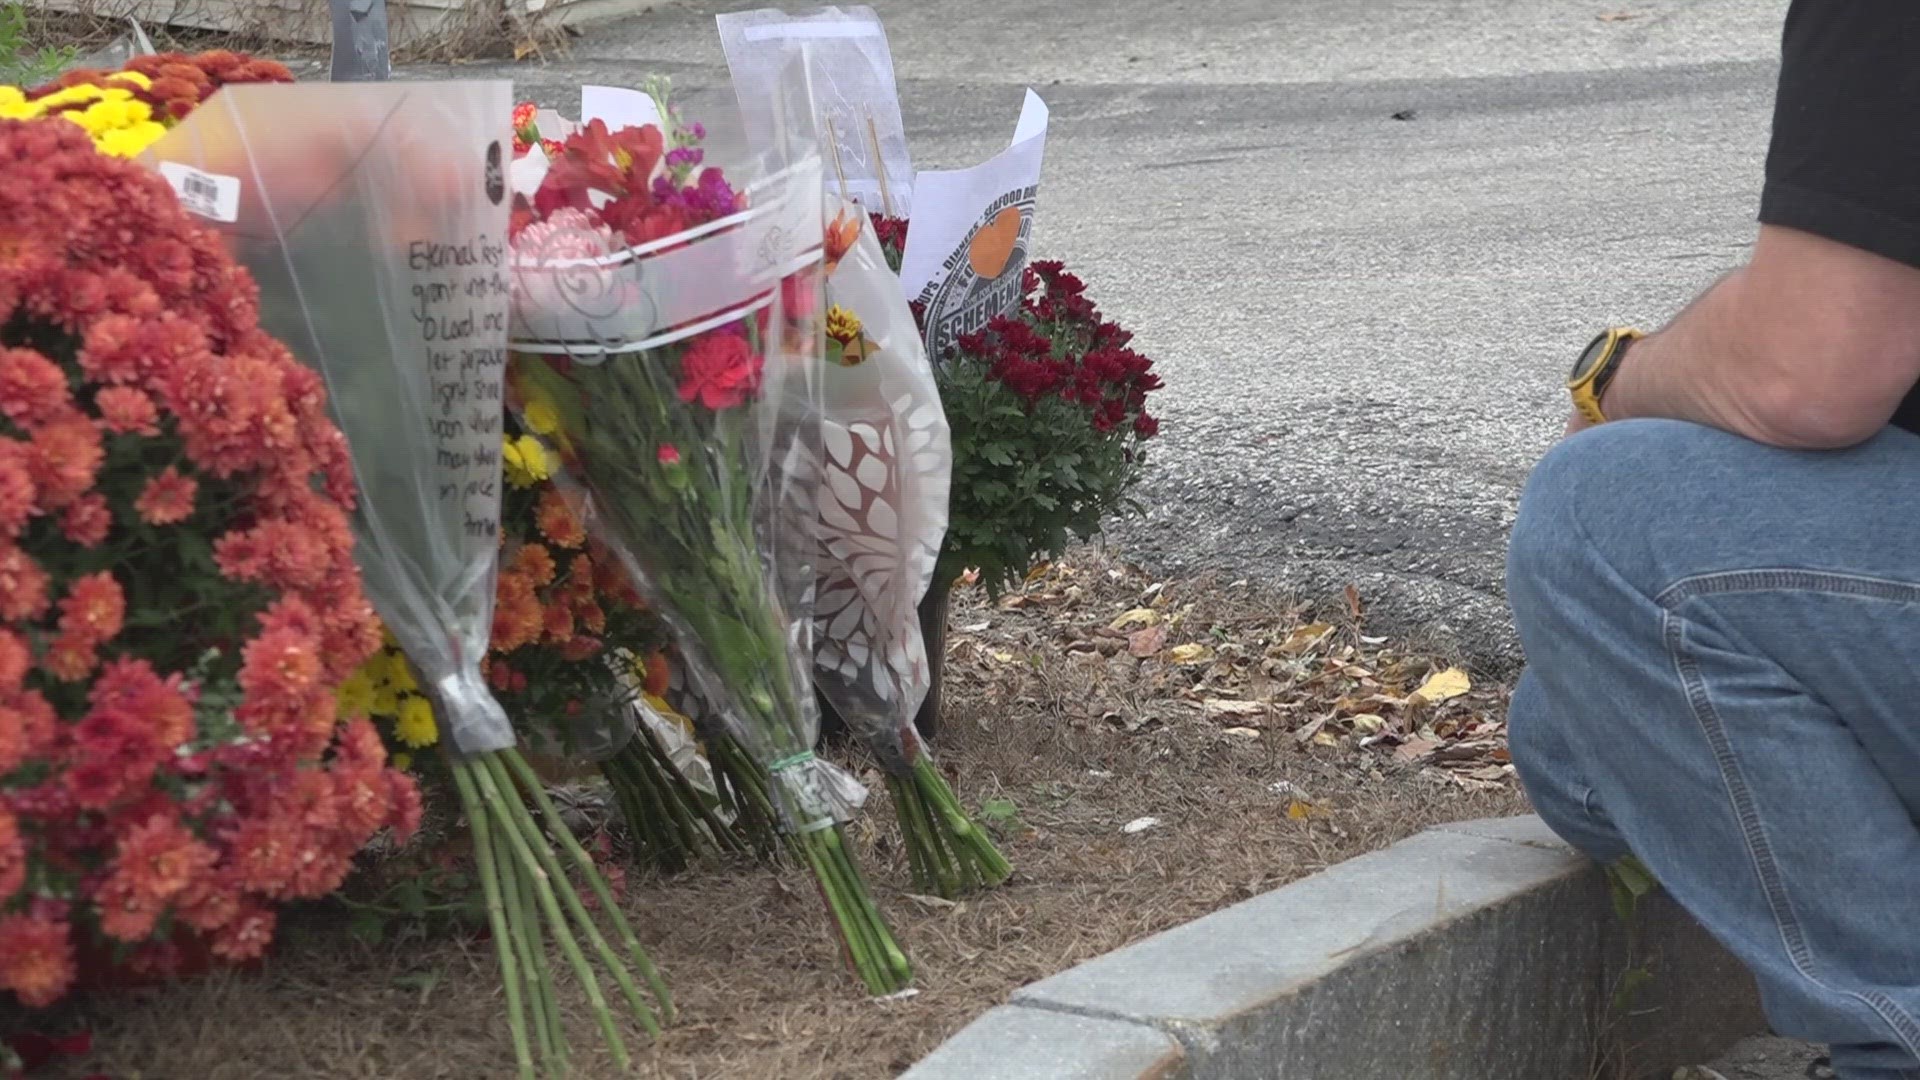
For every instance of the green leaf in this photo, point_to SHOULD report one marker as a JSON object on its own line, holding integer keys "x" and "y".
{"x": 369, "y": 926}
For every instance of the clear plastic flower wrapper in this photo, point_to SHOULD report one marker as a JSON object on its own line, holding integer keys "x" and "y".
{"x": 666, "y": 332}
{"x": 374, "y": 219}
{"x": 881, "y": 501}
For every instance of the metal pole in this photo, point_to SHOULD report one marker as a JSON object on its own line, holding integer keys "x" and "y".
{"x": 360, "y": 52}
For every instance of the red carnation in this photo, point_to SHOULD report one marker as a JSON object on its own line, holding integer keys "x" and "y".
{"x": 719, "y": 370}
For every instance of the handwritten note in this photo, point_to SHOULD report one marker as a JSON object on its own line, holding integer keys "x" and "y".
{"x": 459, "y": 305}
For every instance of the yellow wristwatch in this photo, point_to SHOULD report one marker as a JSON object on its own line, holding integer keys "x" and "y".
{"x": 1596, "y": 368}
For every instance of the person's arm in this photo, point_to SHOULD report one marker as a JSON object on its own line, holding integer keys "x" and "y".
{"x": 1817, "y": 339}
{"x": 1811, "y": 345}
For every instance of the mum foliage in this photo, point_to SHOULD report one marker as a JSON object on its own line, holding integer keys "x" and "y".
{"x": 178, "y": 597}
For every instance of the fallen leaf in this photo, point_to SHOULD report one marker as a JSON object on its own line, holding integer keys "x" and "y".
{"x": 1301, "y": 810}
{"x": 1353, "y": 603}
{"x": 1618, "y": 16}
{"x": 1326, "y": 738}
{"x": 1241, "y": 732}
{"x": 1304, "y": 638}
{"x": 935, "y": 902}
{"x": 1311, "y": 731}
{"x": 1368, "y": 722}
{"x": 1038, "y": 572}
{"x": 1190, "y": 653}
{"x": 1137, "y": 617}
{"x": 1147, "y": 641}
{"x": 1218, "y": 707}
{"x": 975, "y": 628}
{"x": 1444, "y": 686}
{"x": 1414, "y": 749}
{"x": 1501, "y": 754}
{"x": 1140, "y": 825}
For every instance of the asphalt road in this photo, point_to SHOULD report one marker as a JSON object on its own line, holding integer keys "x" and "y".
{"x": 1363, "y": 321}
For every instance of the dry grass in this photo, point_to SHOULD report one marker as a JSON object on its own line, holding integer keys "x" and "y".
{"x": 489, "y": 30}
{"x": 1044, "y": 734}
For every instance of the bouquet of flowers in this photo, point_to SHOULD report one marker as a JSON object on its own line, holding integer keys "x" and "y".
{"x": 126, "y": 110}
{"x": 882, "y": 504}
{"x": 670, "y": 321}
{"x": 178, "y": 597}
{"x": 391, "y": 201}
{"x": 1049, "y": 415}
{"x": 569, "y": 653}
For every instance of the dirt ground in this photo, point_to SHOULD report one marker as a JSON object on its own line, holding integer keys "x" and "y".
{"x": 1264, "y": 747}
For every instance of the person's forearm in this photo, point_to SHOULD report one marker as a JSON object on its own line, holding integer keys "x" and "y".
{"x": 1809, "y": 346}
{"x": 1681, "y": 372}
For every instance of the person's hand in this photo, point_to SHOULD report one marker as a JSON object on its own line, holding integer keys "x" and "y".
{"x": 1576, "y": 424}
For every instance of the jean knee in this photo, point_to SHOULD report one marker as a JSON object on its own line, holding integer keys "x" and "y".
{"x": 1554, "y": 774}
{"x": 1558, "y": 544}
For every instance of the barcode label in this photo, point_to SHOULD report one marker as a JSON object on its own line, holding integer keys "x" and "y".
{"x": 209, "y": 195}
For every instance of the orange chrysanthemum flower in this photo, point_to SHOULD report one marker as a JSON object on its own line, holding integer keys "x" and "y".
{"x": 23, "y": 585}
{"x": 160, "y": 857}
{"x": 557, "y": 520}
{"x": 280, "y": 667}
{"x": 66, "y": 456}
{"x": 33, "y": 389}
{"x": 17, "y": 492}
{"x": 36, "y": 959}
{"x": 536, "y": 562}
{"x": 167, "y": 498}
{"x": 127, "y": 411}
{"x": 13, "y": 857}
{"x": 69, "y": 659}
{"x": 246, "y": 936}
{"x": 88, "y": 520}
{"x": 15, "y": 659}
{"x": 94, "y": 609}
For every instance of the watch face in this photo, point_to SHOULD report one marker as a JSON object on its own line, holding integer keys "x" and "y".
{"x": 1584, "y": 366}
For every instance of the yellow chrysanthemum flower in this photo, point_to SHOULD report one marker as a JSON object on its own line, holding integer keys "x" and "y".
{"x": 402, "y": 761}
{"x": 414, "y": 726}
{"x": 842, "y": 325}
{"x": 526, "y": 461}
{"x": 356, "y": 694}
{"x": 541, "y": 416}
{"x": 400, "y": 673}
{"x": 130, "y": 141}
{"x": 386, "y": 701}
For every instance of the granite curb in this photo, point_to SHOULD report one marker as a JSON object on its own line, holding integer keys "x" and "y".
{"x": 1485, "y": 950}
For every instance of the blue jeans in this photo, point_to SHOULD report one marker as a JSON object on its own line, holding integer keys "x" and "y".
{"x": 1724, "y": 680}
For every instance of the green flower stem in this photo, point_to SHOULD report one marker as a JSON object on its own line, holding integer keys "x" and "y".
{"x": 918, "y": 865}
{"x": 518, "y": 825}
{"x": 723, "y": 835}
{"x": 503, "y": 932}
{"x": 898, "y": 972}
{"x": 860, "y": 948}
{"x": 656, "y": 826}
{"x": 584, "y": 862}
{"x": 935, "y": 873}
{"x": 967, "y": 836}
{"x": 530, "y": 943}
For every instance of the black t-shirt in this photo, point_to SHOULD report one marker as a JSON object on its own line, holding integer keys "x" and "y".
{"x": 1845, "y": 157}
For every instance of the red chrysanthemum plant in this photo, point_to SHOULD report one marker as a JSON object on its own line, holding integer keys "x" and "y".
{"x": 1048, "y": 407}
{"x": 178, "y": 596}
